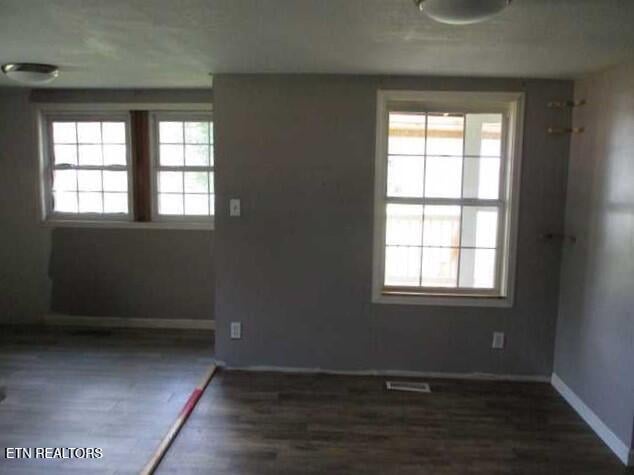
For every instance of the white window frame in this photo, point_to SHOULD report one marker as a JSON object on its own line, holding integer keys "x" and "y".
{"x": 46, "y": 119}
{"x": 511, "y": 105}
{"x": 84, "y": 220}
{"x": 178, "y": 116}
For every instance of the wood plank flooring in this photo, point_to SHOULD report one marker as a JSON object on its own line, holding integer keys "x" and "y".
{"x": 120, "y": 390}
{"x": 274, "y": 423}
{"x": 117, "y": 390}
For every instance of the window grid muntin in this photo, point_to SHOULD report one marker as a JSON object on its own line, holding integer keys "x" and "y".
{"x": 499, "y": 204}
{"x": 183, "y": 118}
{"x": 51, "y": 166}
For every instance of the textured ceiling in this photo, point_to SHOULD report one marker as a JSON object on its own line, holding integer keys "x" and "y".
{"x": 176, "y": 43}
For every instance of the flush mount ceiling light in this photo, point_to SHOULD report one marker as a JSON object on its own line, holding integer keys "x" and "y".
{"x": 31, "y": 73}
{"x": 461, "y": 12}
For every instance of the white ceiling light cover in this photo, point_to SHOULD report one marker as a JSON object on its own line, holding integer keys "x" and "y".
{"x": 31, "y": 73}
{"x": 461, "y": 12}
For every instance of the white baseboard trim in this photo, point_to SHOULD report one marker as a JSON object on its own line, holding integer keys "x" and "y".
{"x": 119, "y": 322}
{"x": 397, "y": 373}
{"x": 617, "y": 446}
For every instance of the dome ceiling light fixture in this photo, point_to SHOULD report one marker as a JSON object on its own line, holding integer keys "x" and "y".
{"x": 461, "y": 12}
{"x": 31, "y": 73}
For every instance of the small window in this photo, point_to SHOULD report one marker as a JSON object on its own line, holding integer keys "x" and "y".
{"x": 447, "y": 182}
{"x": 183, "y": 167}
{"x": 88, "y": 171}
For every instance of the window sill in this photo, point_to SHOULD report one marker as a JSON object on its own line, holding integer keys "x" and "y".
{"x": 401, "y": 298}
{"x": 71, "y": 223}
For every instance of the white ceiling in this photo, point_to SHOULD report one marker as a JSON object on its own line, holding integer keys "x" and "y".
{"x": 176, "y": 43}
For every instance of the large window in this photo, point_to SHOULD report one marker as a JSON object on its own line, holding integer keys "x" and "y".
{"x": 184, "y": 173}
{"x": 446, "y": 187}
{"x": 117, "y": 166}
{"x": 89, "y": 166}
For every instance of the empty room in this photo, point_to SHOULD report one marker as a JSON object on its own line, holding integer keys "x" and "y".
{"x": 317, "y": 237}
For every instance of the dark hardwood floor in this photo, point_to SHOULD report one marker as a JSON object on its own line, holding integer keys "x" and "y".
{"x": 117, "y": 390}
{"x": 121, "y": 390}
{"x": 272, "y": 423}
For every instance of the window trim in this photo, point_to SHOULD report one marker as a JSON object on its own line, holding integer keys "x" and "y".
{"x": 84, "y": 220}
{"x": 180, "y": 116}
{"x": 47, "y": 166}
{"x": 511, "y": 104}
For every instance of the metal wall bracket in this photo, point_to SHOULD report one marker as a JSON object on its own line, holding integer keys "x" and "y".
{"x": 566, "y": 104}
{"x": 562, "y": 237}
{"x": 563, "y": 130}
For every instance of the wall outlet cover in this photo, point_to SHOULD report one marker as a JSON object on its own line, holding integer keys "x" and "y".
{"x": 236, "y": 330}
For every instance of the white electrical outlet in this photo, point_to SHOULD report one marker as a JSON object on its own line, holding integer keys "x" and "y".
{"x": 236, "y": 330}
{"x": 498, "y": 340}
{"x": 234, "y": 207}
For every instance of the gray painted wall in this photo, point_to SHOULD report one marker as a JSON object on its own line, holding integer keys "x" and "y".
{"x": 594, "y": 352}
{"x": 24, "y": 242}
{"x": 296, "y": 267}
{"x": 144, "y": 273}
{"x": 132, "y": 273}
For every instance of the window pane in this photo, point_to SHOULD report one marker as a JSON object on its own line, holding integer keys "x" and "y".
{"x": 114, "y": 155}
{"x": 115, "y": 202}
{"x": 441, "y": 226}
{"x": 479, "y": 226}
{"x": 402, "y": 266}
{"x": 211, "y": 132}
{"x": 404, "y": 224}
{"x": 477, "y": 268}
{"x": 65, "y": 154}
{"x": 481, "y": 178}
{"x": 196, "y": 182}
{"x": 197, "y": 132}
{"x": 211, "y": 156}
{"x": 212, "y": 202}
{"x": 197, "y": 155}
{"x": 406, "y": 134}
{"x": 211, "y": 182}
{"x": 172, "y": 155}
{"x": 483, "y": 135}
{"x": 113, "y": 132}
{"x": 89, "y": 132}
{"x": 90, "y": 203}
{"x": 444, "y": 135}
{"x": 170, "y": 204}
{"x": 405, "y": 176}
{"x": 171, "y": 182}
{"x": 443, "y": 177}
{"x": 90, "y": 155}
{"x": 64, "y": 202}
{"x": 89, "y": 180}
{"x": 170, "y": 132}
{"x": 440, "y": 267}
{"x": 197, "y": 204}
{"x": 115, "y": 181}
{"x": 64, "y": 132}
{"x": 65, "y": 180}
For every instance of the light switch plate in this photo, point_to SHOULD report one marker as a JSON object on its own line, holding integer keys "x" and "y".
{"x": 498, "y": 340}
{"x": 234, "y": 207}
{"x": 236, "y": 330}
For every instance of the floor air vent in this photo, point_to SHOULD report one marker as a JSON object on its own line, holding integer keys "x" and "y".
{"x": 408, "y": 386}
